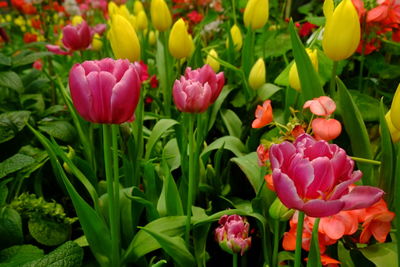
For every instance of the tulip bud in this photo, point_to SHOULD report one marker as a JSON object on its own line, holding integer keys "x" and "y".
{"x": 233, "y": 234}
{"x": 112, "y": 8}
{"x": 278, "y": 211}
{"x": 214, "y": 64}
{"x": 133, "y": 21}
{"x": 160, "y": 15}
{"x": 123, "y": 39}
{"x": 142, "y": 20}
{"x": 76, "y": 20}
{"x": 257, "y": 74}
{"x": 236, "y": 38}
{"x": 97, "y": 44}
{"x": 123, "y": 11}
{"x": 294, "y": 80}
{"x": 152, "y": 38}
{"x": 137, "y": 7}
{"x": 395, "y": 113}
{"x": 342, "y": 30}
{"x": 256, "y": 14}
{"x": 394, "y": 132}
{"x": 70, "y": 155}
{"x": 180, "y": 44}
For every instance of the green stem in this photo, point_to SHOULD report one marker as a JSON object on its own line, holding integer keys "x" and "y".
{"x": 262, "y": 174}
{"x": 332, "y": 85}
{"x": 234, "y": 11}
{"x": 276, "y": 243}
{"x": 139, "y": 138}
{"x": 299, "y": 235}
{"x": 190, "y": 177}
{"x": 167, "y": 91}
{"x": 369, "y": 161}
{"x": 235, "y": 260}
{"x": 111, "y": 198}
{"x": 114, "y": 137}
{"x": 315, "y": 242}
{"x": 288, "y": 8}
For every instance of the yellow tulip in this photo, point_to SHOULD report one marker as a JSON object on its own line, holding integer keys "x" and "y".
{"x": 214, "y": 64}
{"x": 394, "y": 132}
{"x": 395, "y": 114}
{"x": 152, "y": 38}
{"x": 256, "y": 14}
{"x": 133, "y": 21}
{"x": 342, "y": 30}
{"x": 97, "y": 44}
{"x": 137, "y": 7}
{"x": 123, "y": 39}
{"x": 76, "y": 20}
{"x": 160, "y": 15}
{"x": 180, "y": 43}
{"x": 112, "y": 8}
{"x": 257, "y": 74}
{"x": 236, "y": 38}
{"x": 294, "y": 80}
{"x": 141, "y": 20}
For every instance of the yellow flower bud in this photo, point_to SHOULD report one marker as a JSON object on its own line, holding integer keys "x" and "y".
{"x": 133, "y": 21}
{"x": 137, "y": 7}
{"x": 394, "y": 132}
{"x": 152, "y": 38}
{"x": 123, "y": 39}
{"x": 123, "y": 11}
{"x": 395, "y": 114}
{"x": 112, "y": 8}
{"x": 160, "y": 15}
{"x": 141, "y": 20}
{"x": 8, "y": 18}
{"x": 257, "y": 74}
{"x": 256, "y": 14}
{"x": 236, "y": 38}
{"x": 294, "y": 80}
{"x": 97, "y": 44}
{"x": 342, "y": 30}
{"x": 214, "y": 64}
{"x": 76, "y": 20}
{"x": 180, "y": 44}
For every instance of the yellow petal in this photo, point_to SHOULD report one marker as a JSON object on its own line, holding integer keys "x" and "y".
{"x": 395, "y": 114}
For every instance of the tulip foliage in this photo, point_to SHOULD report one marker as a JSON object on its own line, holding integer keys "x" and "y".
{"x": 199, "y": 133}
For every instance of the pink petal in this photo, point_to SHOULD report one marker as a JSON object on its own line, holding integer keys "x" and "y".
{"x": 179, "y": 95}
{"x": 320, "y": 208}
{"x": 71, "y": 38}
{"x": 301, "y": 172}
{"x": 286, "y": 190}
{"x": 120, "y": 67}
{"x": 90, "y": 66}
{"x": 281, "y": 153}
{"x": 323, "y": 178}
{"x": 80, "y": 93}
{"x": 361, "y": 197}
{"x": 57, "y": 50}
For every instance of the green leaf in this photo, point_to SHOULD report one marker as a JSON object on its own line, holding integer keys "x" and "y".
{"x": 34, "y": 102}
{"x": 309, "y": 79}
{"x": 10, "y": 228}
{"x": 344, "y": 256}
{"x": 70, "y": 254}
{"x": 172, "y": 155}
{"x": 15, "y": 163}
{"x": 217, "y": 105}
{"x": 4, "y": 60}
{"x": 277, "y": 45}
{"x": 355, "y": 128}
{"x": 61, "y": 130}
{"x": 267, "y": 90}
{"x": 11, "y": 123}
{"x": 232, "y": 122}
{"x": 230, "y": 143}
{"x": 169, "y": 203}
{"x": 142, "y": 243}
{"x": 22, "y": 59}
{"x": 174, "y": 247}
{"x": 382, "y": 255}
{"x": 16, "y": 256}
{"x": 48, "y": 232}
{"x": 367, "y": 105}
{"x": 158, "y": 131}
{"x": 10, "y": 79}
{"x": 314, "y": 258}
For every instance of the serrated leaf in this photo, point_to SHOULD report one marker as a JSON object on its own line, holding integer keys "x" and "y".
{"x": 61, "y": 130}
{"x": 16, "y": 256}
{"x": 15, "y": 163}
{"x": 10, "y": 79}
{"x": 11, "y": 123}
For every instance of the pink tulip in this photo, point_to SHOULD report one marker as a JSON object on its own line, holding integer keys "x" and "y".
{"x": 233, "y": 234}
{"x": 197, "y": 90}
{"x": 321, "y": 106}
{"x": 326, "y": 129}
{"x": 314, "y": 177}
{"x": 105, "y": 91}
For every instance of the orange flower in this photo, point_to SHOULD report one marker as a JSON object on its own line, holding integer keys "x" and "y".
{"x": 269, "y": 182}
{"x": 326, "y": 129}
{"x": 263, "y": 115}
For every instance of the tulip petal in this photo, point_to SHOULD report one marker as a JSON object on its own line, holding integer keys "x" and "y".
{"x": 57, "y": 50}
{"x": 71, "y": 38}
{"x": 80, "y": 92}
{"x": 323, "y": 177}
{"x": 286, "y": 190}
{"x": 90, "y": 66}
{"x": 301, "y": 171}
{"x": 321, "y": 208}
{"x": 361, "y": 197}
{"x": 120, "y": 67}
{"x": 281, "y": 153}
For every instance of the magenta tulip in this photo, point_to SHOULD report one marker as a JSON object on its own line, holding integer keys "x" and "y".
{"x": 314, "y": 177}
{"x": 105, "y": 91}
{"x": 233, "y": 234}
{"x": 198, "y": 89}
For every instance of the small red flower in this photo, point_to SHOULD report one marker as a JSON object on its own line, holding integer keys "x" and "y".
{"x": 195, "y": 17}
{"x": 153, "y": 81}
{"x": 30, "y": 37}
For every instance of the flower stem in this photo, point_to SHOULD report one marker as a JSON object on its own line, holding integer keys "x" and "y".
{"x": 167, "y": 91}
{"x": 235, "y": 260}
{"x": 315, "y": 242}
{"x": 234, "y": 11}
{"x": 138, "y": 132}
{"x": 114, "y": 138}
{"x": 111, "y": 197}
{"x": 332, "y": 85}
{"x": 276, "y": 243}
{"x": 299, "y": 235}
{"x": 191, "y": 177}
{"x": 369, "y": 161}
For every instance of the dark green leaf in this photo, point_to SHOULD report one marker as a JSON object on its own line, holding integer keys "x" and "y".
{"x": 22, "y": 59}
{"x": 10, "y": 228}
{"x": 11, "y": 123}
{"x": 10, "y": 79}
{"x": 230, "y": 143}
{"x": 15, "y": 163}
{"x": 16, "y": 256}
{"x": 61, "y": 130}
{"x": 158, "y": 131}
{"x": 48, "y": 232}
{"x": 367, "y": 105}
{"x": 4, "y": 60}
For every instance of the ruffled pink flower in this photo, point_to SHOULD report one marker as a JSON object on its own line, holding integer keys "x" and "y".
{"x": 105, "y": 91}
{"x": 233, "y": 234}
{"x": 321, "y": 106}
{"x": 314, "y": 177}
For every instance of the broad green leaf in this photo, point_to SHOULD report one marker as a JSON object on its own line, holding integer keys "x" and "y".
{"x": 15, "y": 163}
{"x": 142, "y": 243}
{"x": 10, "y": 228}
{"x": 309, "y": 80}
{"x": 172, "y": 155}
{"x": 232, "y": 122}
{"x": 230, "y": 143}
{"x": 248, "y": 52}
{"x": 10, "y": 79}
{"x": 169, "y": 203}
{"x": 217, "y": 105}
{"x": 277, "y": 45}
{"x": 28, "y": 59}
{"x": 48, "y": 232}
{"x": 16, "y": 256}
{"x": 158, "y": 131}
{"x": 174, "y": 246}
{"x": 34, "y": 102}
{"x": 344, "y": 256}
{"x": 367, "y": 105}
{"x": 267, "y": 90}
{"x": 11, "y": 123}
{"x": 4, "y": 60}
{"x": 355, "y": 128}
{"x": 61, "y": 130}
{"x": 382, "y": 255}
